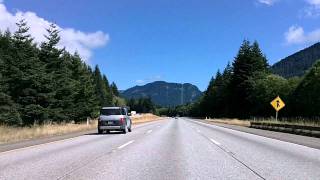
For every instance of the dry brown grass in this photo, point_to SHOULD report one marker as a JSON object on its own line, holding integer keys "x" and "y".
{"x": 144, "y": 118}
{"x": 246, "y": 123}
{"x": 231, "y": 122}
{"x": 16, "y": 134}
{"x": 292, "y": 122}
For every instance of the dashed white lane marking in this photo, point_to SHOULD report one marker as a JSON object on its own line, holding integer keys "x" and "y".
{"x": 126, "y": 144}
{"x": 149, "y": 131}
{"x": 215, "y": 142}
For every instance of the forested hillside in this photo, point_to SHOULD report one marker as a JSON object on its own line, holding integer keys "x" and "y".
{"x": 164, "y": 93}
{"x": 298, "y": 63}
{"x": 40, "y": 83}
{"x": 245, "y": 88}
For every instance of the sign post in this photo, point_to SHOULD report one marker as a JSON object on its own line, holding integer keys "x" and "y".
{"x": 277, "y": 104}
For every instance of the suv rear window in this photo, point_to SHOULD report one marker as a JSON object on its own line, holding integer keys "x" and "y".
{"x": 108, "y": 112}
{"x": 123, "y": 111}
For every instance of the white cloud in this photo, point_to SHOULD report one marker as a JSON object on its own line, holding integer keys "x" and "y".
{"x": 73, "y": 40}
{"x": 267, "y": 2}
{"x": 296, "y": 35}
{"x": 313, "y": 8}
{"x": 149, "y": 79}
{"x": 140, "y": 81}
{"x": 314, "y": 2}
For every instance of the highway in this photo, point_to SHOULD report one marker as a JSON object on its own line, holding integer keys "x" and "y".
{"x": 166, "y": 149}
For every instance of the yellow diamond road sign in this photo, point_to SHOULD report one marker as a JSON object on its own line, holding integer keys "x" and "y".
{"x": 277, "y": 103}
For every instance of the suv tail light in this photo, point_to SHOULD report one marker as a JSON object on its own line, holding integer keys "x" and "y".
{"x": 122, "y": 120}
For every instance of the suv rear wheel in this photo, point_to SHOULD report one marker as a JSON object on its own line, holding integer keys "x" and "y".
{"x": 125, "y": 130}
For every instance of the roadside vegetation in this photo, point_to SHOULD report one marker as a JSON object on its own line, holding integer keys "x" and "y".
{"x": 142, "y": 118}
{"x": 9, "y": 134}
{"x": 46, "y": 91}
{"x": 237, "y": 122}
{"x": 142, "y": 105}
{"x": 299, "y": 122}
{"x": 246, "y": 123}
{"x": 244, "y": 89}
{"x": 44, "y": 84}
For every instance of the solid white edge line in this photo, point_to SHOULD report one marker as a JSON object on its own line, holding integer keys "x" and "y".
{"x": 37, "y": 145}
{"x": 251, "y": 134}
{"x": 126, "y": 144}
{"x": 215, "y": 142}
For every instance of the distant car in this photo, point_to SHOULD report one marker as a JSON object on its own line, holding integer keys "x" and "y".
{"x": 114, "y": 118}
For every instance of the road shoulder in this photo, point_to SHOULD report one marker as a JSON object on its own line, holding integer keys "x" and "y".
{"x": 292, "y": 138}
{"x": 44, "y": 140}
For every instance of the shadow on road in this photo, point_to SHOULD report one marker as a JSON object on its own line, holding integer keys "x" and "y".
{"x": 110, "y": 133}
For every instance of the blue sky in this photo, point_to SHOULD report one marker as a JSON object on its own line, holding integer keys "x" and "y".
{"x": 135, "y": 42}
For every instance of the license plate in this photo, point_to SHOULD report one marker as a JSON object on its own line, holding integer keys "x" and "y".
{"x": 110, "y": 122}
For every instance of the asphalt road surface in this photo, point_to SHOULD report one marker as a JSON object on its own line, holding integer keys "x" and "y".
{"x": 167, "y": 149}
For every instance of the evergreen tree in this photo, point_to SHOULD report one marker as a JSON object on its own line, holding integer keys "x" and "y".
{"x": 85, "y": 101}
{"x": 206, "y": 99}
{"x": 224, "y": 92}
{"x": 101, "y": 88}
{"x": 259, "y": 59}
{"x": 306, "y": 99}
{"x": 114, "y": 89}
{"x": 248, "y": 61}
{"x": 214, "y": 100}
{"x": 227, "y": 73}
{"x": 8, "y": 112}
{"x": 131, "y": 103}
{"x": 109, "y": 97}
{"x": 57, "y": 63}
{"x": 25, "y": 76}
{"x": 141, "y": 105}
{"x": 45, "y": 84}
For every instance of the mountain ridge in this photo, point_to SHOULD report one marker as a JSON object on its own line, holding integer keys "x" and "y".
{"x": 299, "y": 63}
{"x": 164, "y": 93}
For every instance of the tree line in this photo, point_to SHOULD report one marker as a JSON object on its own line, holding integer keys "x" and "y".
{"x": 41, "y": 83}
{"x": 245, "y": 88}
{"x": 142, "y": 105}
